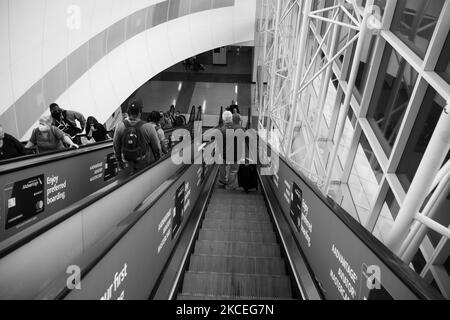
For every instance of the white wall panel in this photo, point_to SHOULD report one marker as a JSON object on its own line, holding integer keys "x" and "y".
{"x": 53, "y": 49}
{"x": 102, "y": 91}
{"x": 117, "y": 9}
{"x": 91, "y": 24}
{"x": 55, "y": 34}
{"x": 120, "y": 76}
{"x": 41, "y": 26}
{"x": 159, "y": 48}
{"x": 6, "y": 94}
{"x": 26, "y": 23}
{"x": 142, "y": 68}
{"x": 4, "y": 36}
{"x": 102, "y": 88}
{"x": 26, "y": 71}
{"x": 222, "y": 18}
{"x": 242, "y": 25}
{"x": 79, "y": 95}
{"x": 179, "y": 37}
{"x": 202, "y": 41}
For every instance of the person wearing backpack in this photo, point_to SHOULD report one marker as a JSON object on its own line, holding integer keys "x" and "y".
{"x": 135, "y": 141}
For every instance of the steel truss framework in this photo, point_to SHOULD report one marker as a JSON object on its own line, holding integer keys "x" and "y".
{"x": 311, "y": 56}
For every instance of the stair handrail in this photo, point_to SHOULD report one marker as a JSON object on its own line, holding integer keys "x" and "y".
{"x": 221, "y": 116}
{"x": 192, "y": 116}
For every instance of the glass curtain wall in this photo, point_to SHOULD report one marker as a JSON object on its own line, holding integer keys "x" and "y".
{"x": 400, "y": 92}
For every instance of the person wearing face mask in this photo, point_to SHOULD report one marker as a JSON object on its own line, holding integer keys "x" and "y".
{"x": 49, "y": 138}
{"x": 10, "y": 147}
{"x": 95, "y": 130}
{"x": 66, "y": 120}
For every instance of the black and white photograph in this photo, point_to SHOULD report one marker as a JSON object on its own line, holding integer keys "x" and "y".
{"x": 232, "y": 157}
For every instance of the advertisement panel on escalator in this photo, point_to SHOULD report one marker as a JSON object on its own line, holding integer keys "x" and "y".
{"x": 38, "y": 192}
{"x": 347, "y": 261}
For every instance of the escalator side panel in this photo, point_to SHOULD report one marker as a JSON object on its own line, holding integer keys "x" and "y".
{"x": 140, "y": 256}
{"x": 25, "y": 271}
{"x": 342, "y": 255}
{"x": 36, "y": 193}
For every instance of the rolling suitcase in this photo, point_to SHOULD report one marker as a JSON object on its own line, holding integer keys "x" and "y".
{"x": 248, "y": 177}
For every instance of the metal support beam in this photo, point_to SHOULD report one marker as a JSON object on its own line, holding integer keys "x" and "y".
{"x": 348, "y": 95}
{"x": 301, "y": 53}
{"x": 420, "y": 228}
{"x": 429, "y": 166}
{"x": 326, "y": 81}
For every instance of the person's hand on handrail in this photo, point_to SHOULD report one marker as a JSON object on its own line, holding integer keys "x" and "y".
{"x": 70, "y": 143}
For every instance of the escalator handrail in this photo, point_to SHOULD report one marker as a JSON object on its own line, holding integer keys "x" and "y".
{"x": 34, "y": 160}
{"x": 191, "y": 243}
{"x": 58, "y": 288}
{"x": 306, "y": 293}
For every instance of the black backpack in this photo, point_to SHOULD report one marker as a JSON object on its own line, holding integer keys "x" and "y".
{"x": 133, "y": 143}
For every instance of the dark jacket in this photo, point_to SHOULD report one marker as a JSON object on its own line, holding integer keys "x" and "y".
{"x": 100, "y": 133}
{"x": 227, "y": 151}
{"x": 11, "y": 148}
{"x": 233, "y": 107}
{"x": 67, "y": 122}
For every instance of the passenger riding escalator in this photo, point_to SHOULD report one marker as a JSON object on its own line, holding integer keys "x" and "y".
{"x": 236, "y": 255}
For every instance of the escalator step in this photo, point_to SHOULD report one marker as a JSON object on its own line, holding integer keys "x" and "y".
{"x": 236, "y": 192}
{"x": 224, "y": 248}
{"x": 185, "y": 296}
{"x": 235, "y": 264}
{"x": 224, "y": 194}
{"x": 222, "y": 215}
{"x": 249, "y": 206}
{"x": 237, "y": 235}
{"x": 259, "y": 200}
{"x": 236, "y": 285}
{"x": 249, "y": 225}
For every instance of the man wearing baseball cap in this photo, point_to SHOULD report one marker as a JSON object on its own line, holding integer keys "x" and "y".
{"x": 135, "y": 141}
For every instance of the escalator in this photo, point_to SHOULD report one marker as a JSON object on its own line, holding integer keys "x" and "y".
{"x": 189, "y": 238}
{"x": 236, "y": 254}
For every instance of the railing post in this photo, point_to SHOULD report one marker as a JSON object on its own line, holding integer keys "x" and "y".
{"x": 432, "y": 160}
